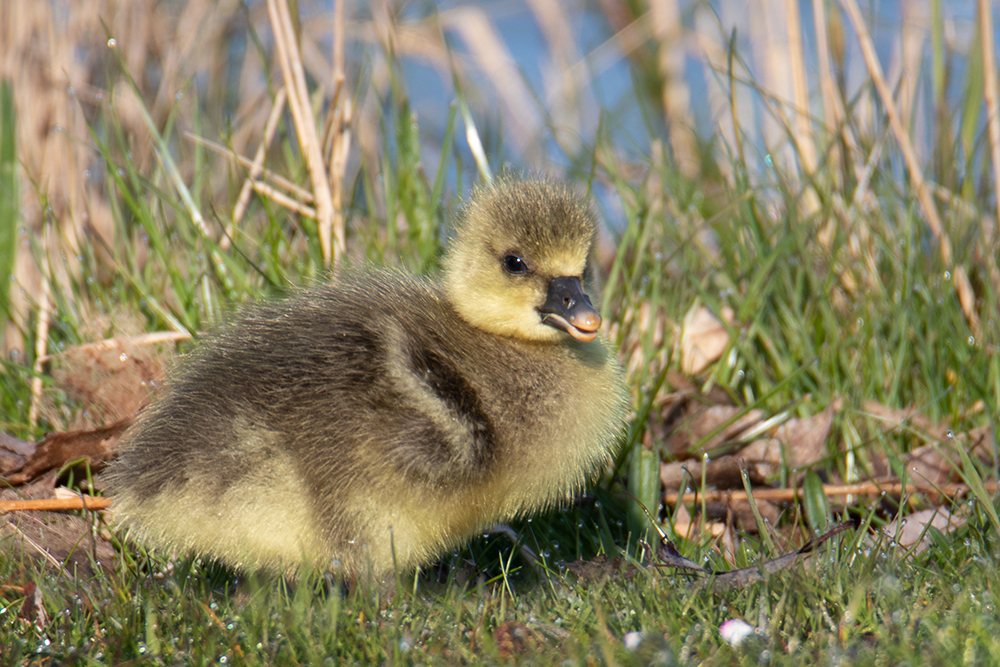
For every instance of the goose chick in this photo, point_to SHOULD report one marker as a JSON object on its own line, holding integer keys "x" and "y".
{"x": 381, "y": 420}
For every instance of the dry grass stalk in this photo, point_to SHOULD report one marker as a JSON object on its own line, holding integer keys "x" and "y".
{"x": 768, "y": 34}
{"x": 41, "y": 334}
{"x": 340, "y": 127}
{"x": 282, "y": 199}
{"x": 963, "y": 287}
{"x": 38, "y": 59}
{"x": 256, "y": 167}
{"x": 714, "y": 54}
{"x": 305, "y": 124}
{"x": 567, "y": 96}
{"x": 899, "y": 131}
{"x": 992, "y": 101}
{"x": 494, "y": 59}
{"x": 676, "y": 96}
{"x": 993, "y": 126}
{"x": 827, "y": 88}
{"x": 912, "y": 41}
{"x": 280, "y": 181}
{"x": 802, "y": 129}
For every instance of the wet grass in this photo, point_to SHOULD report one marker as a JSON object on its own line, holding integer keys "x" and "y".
{"x": 849, "y": 299}
{"x": 859, "y": 603}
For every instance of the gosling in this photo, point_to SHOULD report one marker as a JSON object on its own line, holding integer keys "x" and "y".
{"x": 374, "y": 423}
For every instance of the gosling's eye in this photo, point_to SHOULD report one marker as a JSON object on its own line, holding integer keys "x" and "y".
{"x": 514, "y": 264}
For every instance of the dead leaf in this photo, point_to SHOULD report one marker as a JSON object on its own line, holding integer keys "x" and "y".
{"x": 703, "y": 338}
{"x": 697, "y": 425}
{"x": 927, "y": 466}
{"x": 57, "y": 449}
{"x": 514, "y": 640}
{"x": 730, "y": 543}
{"x": 806, "y": 437}
{"x": 720, "y": 473}
{"x": 895, "y": 418}
{"x": 907, "y": 532}
{"x": 33, "y": 610}
{"x": 113, "y": 378}
{"x": 765, "y": 454}
{"x": 14, "y": 453}
{"x": 801, "y": 440}
{"x": 600, "y": 567}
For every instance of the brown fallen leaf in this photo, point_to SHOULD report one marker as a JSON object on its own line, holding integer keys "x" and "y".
{"x": 894, "y": 418}
{"x": 601, "y": 567}
{"x": 32, "y": 609}
{"x": 730, "y": 543}
{"x": 805, "y": 437}
{"x": 910, "y": 532}
{"x": 798, "y": 443}
{"x": 698, "y": 422}
{"x": 703, "y": 338}
{"x": 514, "y": 640}
{"x": 58, "y": 449}
{"x": 14, "y": 453}
{"x": 115, "y": 377}
{"x": 938, "y": 463}
{"x": 721, "y": 473}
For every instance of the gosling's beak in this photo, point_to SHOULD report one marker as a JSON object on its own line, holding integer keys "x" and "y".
{"x": 568, "y": 308}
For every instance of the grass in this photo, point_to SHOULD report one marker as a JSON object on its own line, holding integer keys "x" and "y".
{"x": 838, "y": 286}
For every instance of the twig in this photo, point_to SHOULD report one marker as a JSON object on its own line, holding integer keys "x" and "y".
{"x": 667, "y": 555}
{"x": 861, "y": 488}
{"x": 55, "y": 504}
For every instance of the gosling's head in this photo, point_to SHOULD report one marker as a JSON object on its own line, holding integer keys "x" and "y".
{"x": 516, "y": 266}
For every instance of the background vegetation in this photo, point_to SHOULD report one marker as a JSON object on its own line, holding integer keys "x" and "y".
{"x": 818, "y": 180}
